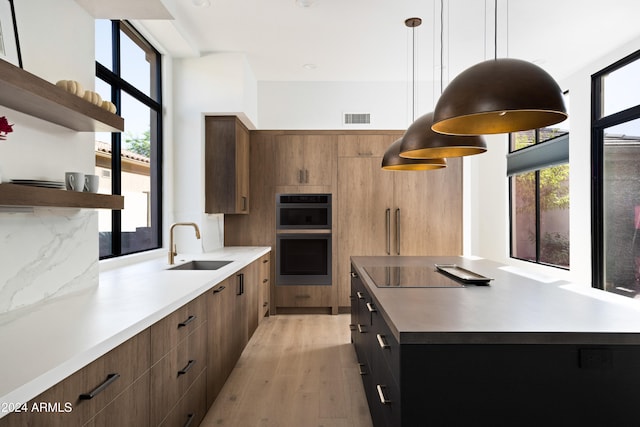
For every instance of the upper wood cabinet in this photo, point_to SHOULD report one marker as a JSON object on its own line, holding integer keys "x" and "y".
{"x": 226, "y": 165}
{"x": 303, "y": 159}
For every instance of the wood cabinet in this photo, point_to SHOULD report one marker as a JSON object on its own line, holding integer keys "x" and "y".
{"x": 393, "y": 212}
{"x": 226, "y": 165}
{"x": 96, "y": 392}
{"x": 220, "y": 306}
{"x": 304, "y": 159}
{"x": 264, "y": 284}
{"x": 178, "y": 354}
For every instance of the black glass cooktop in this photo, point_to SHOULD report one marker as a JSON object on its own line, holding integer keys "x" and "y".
{"x": 411, "y": 277}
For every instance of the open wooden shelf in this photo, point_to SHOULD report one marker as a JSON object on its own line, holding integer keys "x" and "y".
{"x": 29, "y": 94}
{"x": 23, "y": 195}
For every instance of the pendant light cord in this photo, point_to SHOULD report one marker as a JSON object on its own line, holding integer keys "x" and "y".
{"x": 441, "y": 45}
{"x": 413, "y": 73}
{"x": 495, "y": 29}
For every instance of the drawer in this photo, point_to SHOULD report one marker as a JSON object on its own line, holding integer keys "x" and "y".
{"x": 174, "y": 374}
{"x": 79, "y": 397}
{"x": 168, "y": 332}
{"x": 303, "y": 296}
{"x": 386, "y": 403}
{"x": 131, "y": 408}
{"x": 386, "y": 344}
{"x": 192, "y": 408}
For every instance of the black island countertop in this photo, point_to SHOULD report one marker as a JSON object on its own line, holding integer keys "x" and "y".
{"x": 512, "y": 309}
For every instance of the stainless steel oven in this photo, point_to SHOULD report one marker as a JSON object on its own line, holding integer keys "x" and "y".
{"x": 303, "y": 239}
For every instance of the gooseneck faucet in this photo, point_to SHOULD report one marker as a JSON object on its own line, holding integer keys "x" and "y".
{"x": 172, "y": 247}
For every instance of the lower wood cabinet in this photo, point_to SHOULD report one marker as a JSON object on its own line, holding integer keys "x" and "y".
{"x": 169, "y": 374}
{"x": 303, "y": 296}
{"x": 264, "y": 284}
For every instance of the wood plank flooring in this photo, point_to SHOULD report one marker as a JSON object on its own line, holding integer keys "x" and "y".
{"x": 297, "y": 370}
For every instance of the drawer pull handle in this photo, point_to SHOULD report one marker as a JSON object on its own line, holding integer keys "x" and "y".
{"x": 360, "y": 295}
{"x": 220, "y": 289}
{"x": 381, "y": 341}
{"x": 361, "y": 369}
{"x": 264, "y": 261}
{"x": 361, "y": 329}
{"x": 187, "y": 368}
{"x": 303, "y": 296}
{"x": 265, "y": 280}
{"x": 354, "y": 275}
{"x": 381, "y": 395}
{"x": 266, "y": 303}
{"x": 190, "y": 419}
{"x": 371, "y": 308}
{"x": 352, "y": 327}
{"x": 186, "y": 322}
{"x": 111, "y": 378}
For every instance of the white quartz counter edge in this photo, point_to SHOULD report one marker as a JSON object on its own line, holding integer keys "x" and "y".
{"x": 45, "y": 343}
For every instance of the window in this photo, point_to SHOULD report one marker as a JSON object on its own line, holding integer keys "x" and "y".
{"x": 129, "y": 163}
{"x": 538, "y": 172}
{"x": 615, "y": 154}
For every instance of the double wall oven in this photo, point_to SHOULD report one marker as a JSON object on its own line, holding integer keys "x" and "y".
{"x": 303, "y": 239}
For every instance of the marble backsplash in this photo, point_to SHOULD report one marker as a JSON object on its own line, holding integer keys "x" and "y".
{"x": 46, "y": 254}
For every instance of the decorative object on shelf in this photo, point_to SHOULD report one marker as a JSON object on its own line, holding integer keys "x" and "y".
{"x": 499, "y": 96}
{"x": 72, "y": 87}
{"x": 91, "y": 183}
{"x": 74, "y": 181}
{"x": 9, "y": 42}
{"x": 109, "y": 106}
{"x": 420, "y": 142}
{"x": 93, "y": 97}
{"x": 391, "y": 159}
{"x": 5, "y": 128}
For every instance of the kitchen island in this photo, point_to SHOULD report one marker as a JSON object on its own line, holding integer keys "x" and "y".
{"x": 515, "y": 350}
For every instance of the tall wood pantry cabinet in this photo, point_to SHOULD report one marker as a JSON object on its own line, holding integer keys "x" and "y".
{"x": 393, "y": 212}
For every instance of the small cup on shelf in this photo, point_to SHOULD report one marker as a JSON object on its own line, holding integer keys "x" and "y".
{"x": 74, "y": 181}
{"x": 91, "y": 183}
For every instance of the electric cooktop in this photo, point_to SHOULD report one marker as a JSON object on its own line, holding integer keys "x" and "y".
{"x": 424, "y": 276}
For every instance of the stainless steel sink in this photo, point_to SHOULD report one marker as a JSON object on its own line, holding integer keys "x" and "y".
{"x": 201, "y": 265}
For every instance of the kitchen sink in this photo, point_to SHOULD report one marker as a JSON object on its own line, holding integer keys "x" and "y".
{"x": 201, "y": 265}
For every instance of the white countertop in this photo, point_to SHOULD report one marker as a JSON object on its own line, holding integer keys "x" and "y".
{"x": 46, "y": 342}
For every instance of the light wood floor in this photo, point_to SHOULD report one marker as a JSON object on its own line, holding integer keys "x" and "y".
{"x": 297, "y": 370}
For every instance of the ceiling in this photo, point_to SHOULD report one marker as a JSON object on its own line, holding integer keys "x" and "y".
{"x": 366, "y": 40}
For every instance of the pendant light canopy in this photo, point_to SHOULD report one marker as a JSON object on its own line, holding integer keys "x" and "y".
{"x": 420, "y": 142}
{"x": 393, "y": 161}
{"x": 499, "y": 96}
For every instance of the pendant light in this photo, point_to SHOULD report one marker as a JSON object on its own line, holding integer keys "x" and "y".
{"x": 391, "y": 159}
{"x": 420, "y": 142}
{"x": 499, "y": 96}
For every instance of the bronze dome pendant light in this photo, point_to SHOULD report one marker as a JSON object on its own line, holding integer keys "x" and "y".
{"x": 391, "y": 159}
{"x": 421, "y": 142}
{"x": 500, "y": 95}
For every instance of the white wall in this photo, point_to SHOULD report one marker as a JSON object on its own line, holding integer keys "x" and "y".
{"x": 209, "y": 85}
{"x": 48, "y": 252}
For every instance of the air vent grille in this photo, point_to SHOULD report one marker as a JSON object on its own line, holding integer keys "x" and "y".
{"x": 357, "y": 118}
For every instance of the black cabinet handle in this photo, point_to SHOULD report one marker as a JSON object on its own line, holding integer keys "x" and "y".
{"x": 111, "y": 378}
{"x": 220, "y": 289}
{"x": 352, "y": 327}
{"x": 186, "y": 322}
{"x": 265, "y": 280}
{"x": 187, "y": 368}
{"x": 244, "y": 203}
{"x": 354, "y": 275}
{"x": 190, "y": 419}
{"x": 240, "y": 290}
{"x": 264, "y": 261}
{"x": 362, "y": 369}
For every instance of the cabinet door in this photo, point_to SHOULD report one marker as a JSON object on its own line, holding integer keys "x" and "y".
{"x": 319, "y": 159}
{"x": 220, "y": 307}
{"x": 427, "y": 218}
{"x": 226, "y": 165}
{"x": 365, "y": 204}
{"x": 289, "y": 159}
{"x": 131, "y": 408}
{"x": 252, "y": 290}
{"x": 242, "y": 168}
{"x": 265, "y": 286}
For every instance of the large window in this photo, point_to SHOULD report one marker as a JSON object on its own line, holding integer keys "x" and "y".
{"x": 616, "y": 177}
{"x": 129, "y": 163}
{"x": 538, "y": 172}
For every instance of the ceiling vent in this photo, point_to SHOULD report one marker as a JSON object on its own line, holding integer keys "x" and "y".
{"x": 357, "y": 118}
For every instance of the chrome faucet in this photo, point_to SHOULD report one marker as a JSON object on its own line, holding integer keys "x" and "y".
{"x": 172, "y": 247}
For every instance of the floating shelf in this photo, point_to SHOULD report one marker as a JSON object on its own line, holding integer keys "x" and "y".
{"x": 23, "y": 195}
{"x": 29, "y": 94}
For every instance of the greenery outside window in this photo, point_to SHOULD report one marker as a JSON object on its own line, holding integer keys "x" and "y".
{"x": 128, "y": 73}
{"x": 538, "y": 172}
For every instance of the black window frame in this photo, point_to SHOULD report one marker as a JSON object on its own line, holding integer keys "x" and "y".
{"x": 537, "y": 154}
{"x": 118, "y": 85}
{"x": 598, "y": 124}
